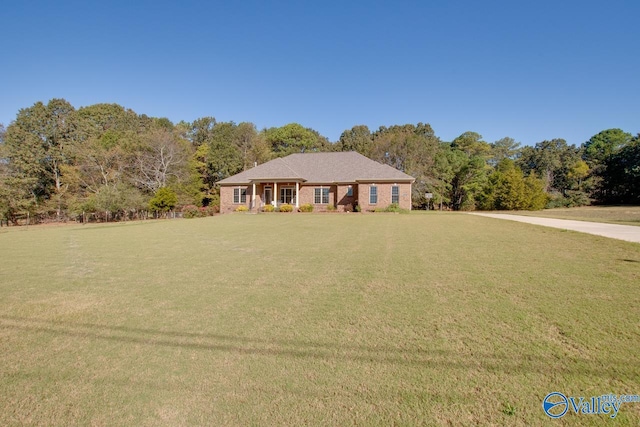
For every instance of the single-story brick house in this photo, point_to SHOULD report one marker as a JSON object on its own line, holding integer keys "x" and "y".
{"x": 342, "y": 179}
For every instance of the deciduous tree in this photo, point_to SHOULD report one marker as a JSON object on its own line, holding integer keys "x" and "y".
{"x": 504, "y": 148}
{"x": 162, "y": 156}
{"x": 200, "y": 131}
{"x": 37, "y": 146}
{"x": 602, "y": 145}
{"x": 294, "y": 138}
{"x": 358, "y": 138}
{"x": 621, "y": 178}
{"x": 507, "y": 189}
{"x": 469, "y": 174}
{"x": 471, "y": 144}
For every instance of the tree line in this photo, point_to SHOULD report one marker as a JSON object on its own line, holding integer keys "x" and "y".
{"x": 106, "y": 161}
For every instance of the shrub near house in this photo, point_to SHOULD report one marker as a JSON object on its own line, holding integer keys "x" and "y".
{"x": 192, "y": 211}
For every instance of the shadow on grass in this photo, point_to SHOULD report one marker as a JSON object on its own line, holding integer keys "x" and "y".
{"x": 427, "y": 358}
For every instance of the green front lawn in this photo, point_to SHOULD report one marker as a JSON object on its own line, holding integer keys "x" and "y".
{"x": 314, "y": 319}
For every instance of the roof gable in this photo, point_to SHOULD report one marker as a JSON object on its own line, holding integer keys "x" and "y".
{"x": 345, "y": 167}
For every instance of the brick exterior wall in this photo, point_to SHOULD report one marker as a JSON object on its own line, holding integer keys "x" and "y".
{"x": 337, "y": 196}
{"x": 226, "y": 198}
{"x": 346, "y": 203}
{"x": 384, "y": 195}
{"x": 308, "y": 194}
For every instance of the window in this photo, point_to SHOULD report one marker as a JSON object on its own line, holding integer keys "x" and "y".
{"x": 287, "y": 195}
{"x": 350, "y": 191}
{"x": 395, "y": 194}
{"x": 373, "y": 195}
{"x": 321, "y": 196}
{"x": 239, "y": 195}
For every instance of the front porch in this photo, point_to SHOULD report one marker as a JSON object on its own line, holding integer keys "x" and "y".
{"x": 274, "y": 193}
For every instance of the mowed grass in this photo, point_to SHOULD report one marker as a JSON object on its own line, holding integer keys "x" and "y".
{"x": 628, "y": 215}
{"x": 314, "y": 319}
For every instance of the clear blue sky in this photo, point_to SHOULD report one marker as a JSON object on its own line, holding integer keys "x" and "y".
{"x": 530, "y": 70}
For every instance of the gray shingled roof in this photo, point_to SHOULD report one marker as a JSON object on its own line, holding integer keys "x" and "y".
{"x": 320, "y": 168}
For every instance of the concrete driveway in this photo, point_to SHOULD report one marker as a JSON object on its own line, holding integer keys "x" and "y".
{"x": 629, "y": 233}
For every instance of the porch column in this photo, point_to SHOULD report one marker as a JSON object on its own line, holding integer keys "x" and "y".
{"x": 297, "y": 194}
{"x": 275, "y": 194}
{"x": 253, "y": 196}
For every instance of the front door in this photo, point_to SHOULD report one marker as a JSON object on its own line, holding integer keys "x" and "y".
{"x": 268, "y": 195}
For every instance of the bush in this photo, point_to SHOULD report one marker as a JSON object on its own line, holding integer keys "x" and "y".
{"x": 191, "y": 211}
{"x": 164, "y": 200}
{"x": 307, "y": 207}
{"x": 556, "y": 200}
{"x": 286, "y": 208}
{"x": 331, "y": 208}
{"x": 393, "y": 207}
{"x": 268, "y": 208}
{"x": 577, "y": 198}
{"x": 242, "y": 208}
{"x": 209, "y": 210}
{"x": 214, "y": 200}
{"x": 573, "y": 199}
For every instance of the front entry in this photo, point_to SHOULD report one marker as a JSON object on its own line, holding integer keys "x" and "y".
{"x": 268, "y": 195}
